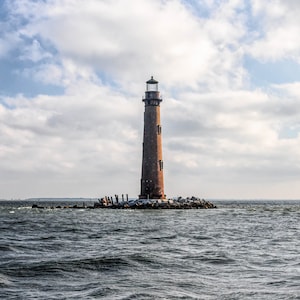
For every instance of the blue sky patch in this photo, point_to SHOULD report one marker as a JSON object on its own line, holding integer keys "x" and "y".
{"x": 278, "y": 72}
{"x": 12, "y": 82}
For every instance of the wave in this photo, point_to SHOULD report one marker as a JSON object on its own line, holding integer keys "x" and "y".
{"x": 53, "y": 268}
{"x": 5, "y": 280}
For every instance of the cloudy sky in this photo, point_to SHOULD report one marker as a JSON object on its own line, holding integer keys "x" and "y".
{"x": 72, "y": 77}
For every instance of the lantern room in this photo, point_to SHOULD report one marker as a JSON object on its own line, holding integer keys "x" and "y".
{"x": 152, "y": 85}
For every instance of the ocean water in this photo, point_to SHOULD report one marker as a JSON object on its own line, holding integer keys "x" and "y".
{"x": 241, "y": 250}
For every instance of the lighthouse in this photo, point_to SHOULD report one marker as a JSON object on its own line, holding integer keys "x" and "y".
{"x": 152, "y": 181}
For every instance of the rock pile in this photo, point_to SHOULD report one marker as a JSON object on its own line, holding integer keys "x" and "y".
{"x": 179, "y": 203}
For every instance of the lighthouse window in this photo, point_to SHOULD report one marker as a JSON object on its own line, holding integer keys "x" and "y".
{"x": 161, "y": 166}
{"x": 158, "y": 129}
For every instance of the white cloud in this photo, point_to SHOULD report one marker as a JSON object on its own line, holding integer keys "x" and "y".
{"x": 69, "y": 136}
{"x": 233, "y": 137}
{"x": 35, "y": 52}
{"x": 279, "y": 38}
{"x": 130, "y": 41}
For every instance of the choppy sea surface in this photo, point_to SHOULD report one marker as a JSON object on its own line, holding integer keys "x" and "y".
{"x": 241, "y": 250}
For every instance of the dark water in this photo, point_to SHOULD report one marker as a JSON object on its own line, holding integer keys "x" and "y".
{"x": 242, "y": 250}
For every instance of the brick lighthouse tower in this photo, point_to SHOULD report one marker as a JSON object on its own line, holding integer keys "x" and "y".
{"x": 152, "y": 182}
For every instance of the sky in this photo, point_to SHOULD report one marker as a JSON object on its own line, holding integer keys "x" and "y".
{"x": 72, "y": 79}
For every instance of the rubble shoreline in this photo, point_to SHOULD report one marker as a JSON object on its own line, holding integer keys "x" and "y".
{"x": 110, "y": 203}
